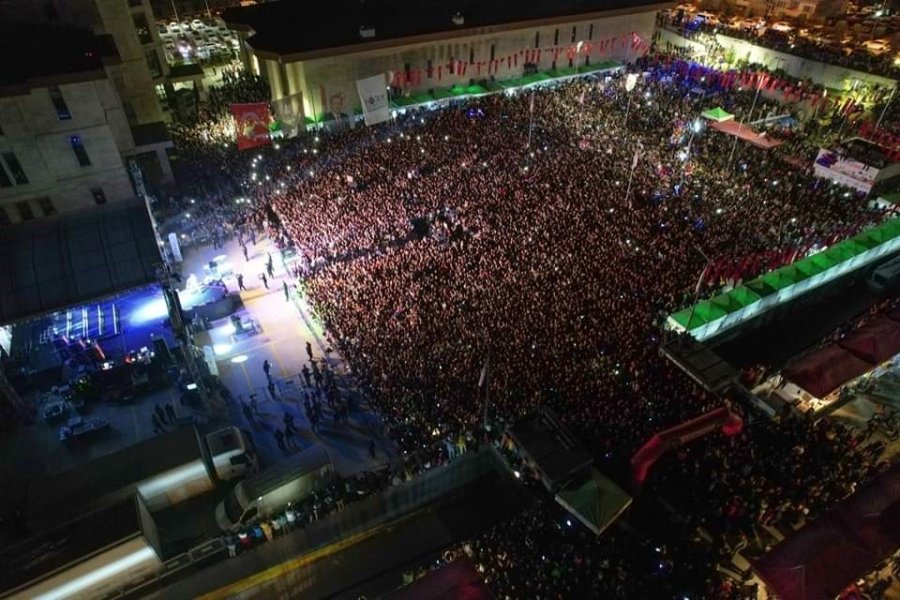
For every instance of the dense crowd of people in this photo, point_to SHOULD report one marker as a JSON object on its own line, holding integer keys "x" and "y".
{"x": 536, "y": 242}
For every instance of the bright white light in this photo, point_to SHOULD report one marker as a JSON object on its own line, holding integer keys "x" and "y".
{"x": 96, "y": 576}
{"x": 221, "y": 349}
{"x": 697, "y": 125}
{"x": 154, "y": 310}
{"x": 165, "y": 481}
{"x": 191, "y": 387}
{"x": 240, "y": 359}
{"x": 228, "y": 329}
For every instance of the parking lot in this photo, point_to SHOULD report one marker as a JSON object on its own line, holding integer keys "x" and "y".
{"x": 197, "y": 40}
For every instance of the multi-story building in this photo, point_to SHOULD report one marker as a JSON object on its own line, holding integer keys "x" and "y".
{"x": 63, "y": 128}
{"x": 139, "y": 76}
{"x": 316, "y": 60}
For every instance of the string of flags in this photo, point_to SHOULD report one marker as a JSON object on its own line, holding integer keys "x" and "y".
{"x": 460, "y": 68}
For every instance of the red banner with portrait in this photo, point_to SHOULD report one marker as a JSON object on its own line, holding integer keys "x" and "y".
{"x": 251, "y": 122}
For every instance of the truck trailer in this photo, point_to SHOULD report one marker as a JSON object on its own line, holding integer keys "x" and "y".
{"x": 164, "y": 471}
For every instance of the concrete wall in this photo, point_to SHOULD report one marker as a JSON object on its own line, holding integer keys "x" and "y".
{"x": 338, "y": 74}
{"x": 41, "y": 142}
{"x": 831, "y": 76}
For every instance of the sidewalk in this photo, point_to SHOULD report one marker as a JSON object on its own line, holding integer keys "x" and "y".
{"x": 285, "y": 327}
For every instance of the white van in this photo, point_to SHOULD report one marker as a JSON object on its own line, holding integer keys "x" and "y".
{"x": 886, "y": 276}
{"x": 290, "y": 480}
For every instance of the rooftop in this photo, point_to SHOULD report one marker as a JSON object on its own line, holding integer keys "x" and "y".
{"x": 44, "y": 51}
{"x": 319, "y": 26}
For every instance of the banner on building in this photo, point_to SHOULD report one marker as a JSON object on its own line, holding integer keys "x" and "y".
{"x": 373, "y": 96}
{"x": 251, "y": 123}
{"x": 289, "y": 112}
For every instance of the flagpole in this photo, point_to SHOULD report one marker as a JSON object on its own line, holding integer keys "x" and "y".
{"x": 634, "y": 163}
{"x": 530, "y": 119}
{"x": 484, "y": 382}
{"x": 881, "y": 118}
{"x": 741, "y": 124}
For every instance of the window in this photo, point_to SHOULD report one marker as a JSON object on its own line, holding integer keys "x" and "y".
{"x": 15, "y": 168}
{"x": 80, "y": 153}
{"x": 537, "y": 39}
{"x": 153, "y": 64}
{"x": 556, "y": 37}
{"x": 142, "y": 29}
{"x": 429, "y": 68}
{"x": 574, "y": 33}
{"x": 591, "y": 32}
{"x": 47, "y": 206}
{"x": 4, "y": 217}
{"x": 62, "y": 111}
{"x": 5, "y": 181}
{"x": 471, "y": 56}
{"x": 493, "y": 48}
{"x": 25, "y": 212}
{"x": 99, "y": 196}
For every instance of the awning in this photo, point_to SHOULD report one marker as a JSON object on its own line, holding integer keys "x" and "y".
{"x": 597, "y": 501}
{"x": 55, "y": 262}
{"x": 717, "y": 114}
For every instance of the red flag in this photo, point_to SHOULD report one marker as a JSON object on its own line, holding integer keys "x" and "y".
{"x": 251, "y": 124}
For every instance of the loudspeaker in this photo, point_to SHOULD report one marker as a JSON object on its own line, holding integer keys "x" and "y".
{"x": 161, "y": 348}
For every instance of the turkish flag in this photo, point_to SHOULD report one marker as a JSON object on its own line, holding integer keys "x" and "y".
{"x": 252, "y": 124}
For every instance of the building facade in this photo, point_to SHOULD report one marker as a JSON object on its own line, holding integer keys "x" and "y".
{"x": 319, "y": 81}
{"x": 61, "y": 147}
{"x": 139, "y": 76}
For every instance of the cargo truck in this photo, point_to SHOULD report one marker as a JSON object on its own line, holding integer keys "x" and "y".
{"x": 272, "y": 489}
{"x": 164, "y": 471}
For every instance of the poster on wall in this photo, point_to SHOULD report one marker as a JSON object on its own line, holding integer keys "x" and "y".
{"x": 374, "y": 99}
{"x": 335, "y": 106}
{"x": 251, "y": 123}
{"x": 289, "y": 113}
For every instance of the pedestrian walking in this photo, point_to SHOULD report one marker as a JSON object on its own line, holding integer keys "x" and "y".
{"x": 289, "y": 438}
{"x": 231, "y": 544}
{"x": 287, "y": 291}
{"x": 246, "y": 254}
{"x": 267, "y": 366}
{"x": 271, "y": 388}
{"x": 307, "y": 376}
{"x": 248, "y": 412}
{"x": 279, "y": 439}
{"x": 265, "y": 280}
{"x": 157, "y": 409}
{"x": 157, "y": 424}
{"x": 240, "y": 280}
{"x": 288, "y": 419}
{"x": 170, "y": 413}
{"x": 309, "y": 351}
{"x": 270, "y": 268}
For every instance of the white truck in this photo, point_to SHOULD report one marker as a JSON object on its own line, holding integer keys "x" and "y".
{"x": 164, "y": 470}
{"x": 290, "y": 480}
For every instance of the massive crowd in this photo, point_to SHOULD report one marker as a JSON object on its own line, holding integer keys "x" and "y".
{"x": 541, "y": 238}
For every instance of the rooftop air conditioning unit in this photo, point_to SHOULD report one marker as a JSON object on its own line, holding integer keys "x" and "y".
{"x": 458, "y": 19}
{"x": 366, "y": 32}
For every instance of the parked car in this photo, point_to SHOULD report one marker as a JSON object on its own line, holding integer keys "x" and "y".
{"x": 162, "y": 29}
{"x": 877, "y": 47}
{"x": 197, "y": 25}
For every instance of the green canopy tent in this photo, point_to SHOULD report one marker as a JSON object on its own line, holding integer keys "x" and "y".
{"x": 701, "y": 314}
{"x": 596, "y": 501}
{"x": 760, "y": 287}
{"x": 744, "y": 295}
{"x": 717, "y": 114}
